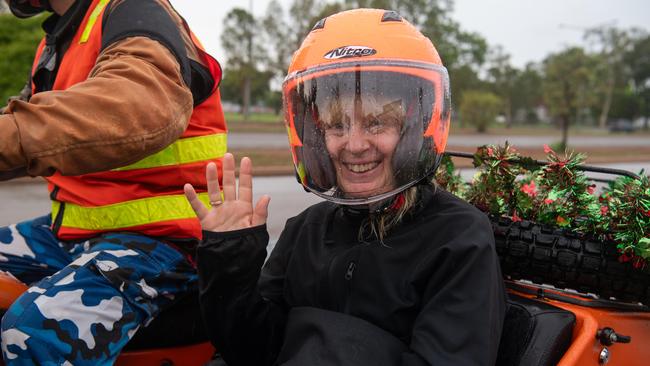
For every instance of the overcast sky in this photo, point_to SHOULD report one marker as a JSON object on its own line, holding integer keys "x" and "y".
{"x": 527, "y": 29}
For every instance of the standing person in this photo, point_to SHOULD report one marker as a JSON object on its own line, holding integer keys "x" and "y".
{"x": 390, "y": 269}
{"x": 124, "y": 110}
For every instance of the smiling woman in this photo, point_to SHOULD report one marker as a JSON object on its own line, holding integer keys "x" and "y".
{"x": 363, "y": 131}
{"x": 361, "y": 139}
{"x": 379, "y": 272}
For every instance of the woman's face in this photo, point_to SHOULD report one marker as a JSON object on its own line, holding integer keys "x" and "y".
{"x": 361, "y": 138}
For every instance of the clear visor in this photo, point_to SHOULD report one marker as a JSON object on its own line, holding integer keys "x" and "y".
{"x": 363, "y": 133}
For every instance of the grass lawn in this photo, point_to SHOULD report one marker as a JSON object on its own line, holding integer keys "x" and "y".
{"x": 273, "y": 123}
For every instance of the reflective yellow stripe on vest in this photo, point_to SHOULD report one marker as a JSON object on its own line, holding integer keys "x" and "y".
{"x": 184, "y": 151}
{"x": 127, "y": 214}
{"x": 92, "y": 20}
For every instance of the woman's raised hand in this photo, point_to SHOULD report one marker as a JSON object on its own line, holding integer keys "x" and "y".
{"x": 236, "y": 210}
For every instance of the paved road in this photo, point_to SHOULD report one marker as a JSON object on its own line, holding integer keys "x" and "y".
{"x": 279, "y": 140}
{"x": 21, "y": 201}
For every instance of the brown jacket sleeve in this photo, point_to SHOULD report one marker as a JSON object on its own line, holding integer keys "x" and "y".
{"x": 133, "y": 104}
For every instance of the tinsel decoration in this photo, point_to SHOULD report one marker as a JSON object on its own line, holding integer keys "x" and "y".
{"x": 494, "y": 184}
{"x": 449, "y": 179}
{"x": 558, "y": 195}
{"x": 626, "y": 203}
{"x": 566, "y": 196}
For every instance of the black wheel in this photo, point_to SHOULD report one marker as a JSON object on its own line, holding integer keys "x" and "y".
{"x": 543, "y": 255}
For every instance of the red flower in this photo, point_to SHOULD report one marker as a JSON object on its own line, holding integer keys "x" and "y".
{"x": 515, "y": 218}
{"x": 547, "y": 149}
{"x": 490, "y": 151}
{"x": 591, "y": 189}
{"x": 647, "y": 213}
{"x": 604, "y": 210}
{"x": 548, "y": 201}
{"x": 529, "y": 189}
{"x": 638, "y": 263}
{"x": 561, "y": 221}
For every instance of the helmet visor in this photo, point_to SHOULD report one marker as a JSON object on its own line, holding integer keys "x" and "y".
{"x": 363, "y": 132}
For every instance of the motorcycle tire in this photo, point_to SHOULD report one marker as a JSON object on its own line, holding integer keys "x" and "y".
{"x": 565, "y": 260}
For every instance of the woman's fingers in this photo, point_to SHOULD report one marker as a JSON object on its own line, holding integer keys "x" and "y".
{"x": 198, "y": 206}
{"x": 212, "y": 178}
{"x": 229, "y": 190}
{"x": 246, "y": 180}
{"x": 261, "y": 211}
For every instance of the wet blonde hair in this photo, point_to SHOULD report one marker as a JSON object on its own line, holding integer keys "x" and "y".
{"x": 391, "y": 112}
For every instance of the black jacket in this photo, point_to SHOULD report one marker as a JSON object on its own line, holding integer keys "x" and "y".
{"x": 434, "y": 283}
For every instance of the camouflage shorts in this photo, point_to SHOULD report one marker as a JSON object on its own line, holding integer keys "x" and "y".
{"x": 88, "y": 298}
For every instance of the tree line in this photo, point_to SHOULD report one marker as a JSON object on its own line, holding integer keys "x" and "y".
{"x": 580, "y": 85}
{"x": 606, "y": 79}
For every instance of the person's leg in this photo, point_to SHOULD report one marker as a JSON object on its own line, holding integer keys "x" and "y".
{"x": 85, "y": 313}
{"x": 30, "y": 251}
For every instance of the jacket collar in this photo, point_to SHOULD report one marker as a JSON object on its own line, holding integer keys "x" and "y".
{"x": 59, "y": 27}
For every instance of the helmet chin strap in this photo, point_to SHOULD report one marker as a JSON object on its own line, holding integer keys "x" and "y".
{"x": 372, "y": 208}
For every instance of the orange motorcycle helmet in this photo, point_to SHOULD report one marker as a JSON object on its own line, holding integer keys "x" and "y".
{"x": 367, "y": 107}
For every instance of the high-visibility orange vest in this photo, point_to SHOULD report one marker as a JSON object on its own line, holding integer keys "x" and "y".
{"x": 147, "y": 196}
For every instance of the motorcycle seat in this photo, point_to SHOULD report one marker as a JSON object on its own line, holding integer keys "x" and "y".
{"x": 535, "y": 333}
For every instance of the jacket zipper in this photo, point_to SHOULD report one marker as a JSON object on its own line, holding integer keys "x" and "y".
{"x": 348, "y": 285}
{"x": 350, "y": 271}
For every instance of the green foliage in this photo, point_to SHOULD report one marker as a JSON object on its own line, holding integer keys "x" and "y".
{"x": 240, "y": 39}
{"x": 627, "y": 203}
{"x": 568, "y": 76}
{"x": 449, "y": 179}
{"x": 558, "y": 195}
{"x": 18, "y": 41}
{"x": 493, "y": 188}
{"x": 233, "y": 83}
{"x": 567, "y": 84}
{"x": 480, "y": 108}
{"x": 527, "y": 94}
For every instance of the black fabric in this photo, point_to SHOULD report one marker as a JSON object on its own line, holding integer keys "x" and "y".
{"x": 327, "y": 338}
{"x": 146, "y": 18}
{"x": 434, "y": 283}
{"x": 59, "y": 31}
{"x": 179, "y": 325}
{"x": 202, "y": 83}
{"x": 534, "y": 333}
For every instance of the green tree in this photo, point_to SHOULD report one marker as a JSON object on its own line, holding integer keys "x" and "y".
{"x": 286, "y": 31}
{"x": 625, "y": 104}
{"x": 462, "y": 52}
{"x": 527, "y": 93}
{"x": 613, "y": 44}
{"x": 503, "y": 76}
{"x": 243, "y": 50}
{"x": 567, "y": 80}
{"x": 480, "y": 108}
{"x": 18, "y": 41}
{"x": 231, "y": 85}
{"x": 637, "y": 60}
